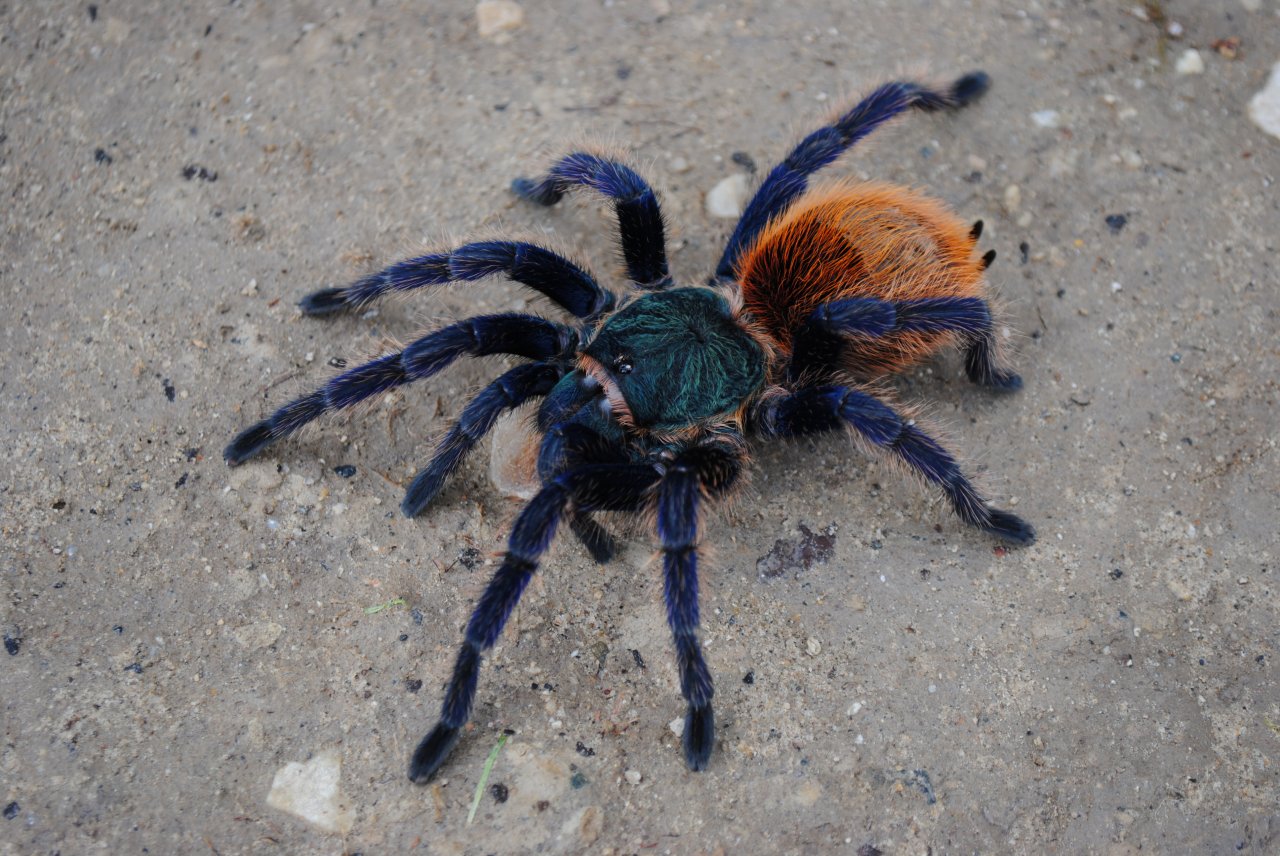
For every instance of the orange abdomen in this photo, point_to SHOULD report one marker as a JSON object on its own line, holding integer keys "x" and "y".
{"x": 860, "y": 240}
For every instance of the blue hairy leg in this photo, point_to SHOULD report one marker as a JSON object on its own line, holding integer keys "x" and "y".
{"x": 536, "y": 267}
{"x": 523, "y": 335}
{"x": 712, "y": 467}
{"x": 507, "y": 392}
{"x": 595, "y": 487}
{"x": 789, "y": 179}
{"x": 640, "y": 225}
{"x": 819, "y": 409}
{"x": 819, "y": 343}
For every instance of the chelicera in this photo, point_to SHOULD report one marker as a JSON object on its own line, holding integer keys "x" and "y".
{"x": 648, "y": 401}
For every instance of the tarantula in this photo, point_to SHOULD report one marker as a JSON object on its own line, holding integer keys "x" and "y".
{"x": 647, "y": 401}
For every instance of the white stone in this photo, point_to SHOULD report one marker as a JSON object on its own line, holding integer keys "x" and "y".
{"x": 311, "y": 792}
{"x": 1012, "y": 198}
{"x": 494, "y": 17}
{"x": 1251, "y": 5}
{"x": 677, "y": 726}
{"x": 259, "y": 635}
{"x": 1045, "y": 118}
{"x": 1190, "y": 62}
{"x": 633, "y": 777}
{"x": 1264, "y": 108}
{"x": 813, "y": 646}
{"x": 727, "y": 199}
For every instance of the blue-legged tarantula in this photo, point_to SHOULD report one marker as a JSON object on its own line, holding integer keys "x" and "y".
{"x": 648, "y": 401}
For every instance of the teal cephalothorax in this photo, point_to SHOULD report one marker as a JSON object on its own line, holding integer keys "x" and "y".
{"x": 678, "y": 357}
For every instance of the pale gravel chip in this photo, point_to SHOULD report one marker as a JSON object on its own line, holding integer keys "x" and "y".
{"x": 1264, "y": 107}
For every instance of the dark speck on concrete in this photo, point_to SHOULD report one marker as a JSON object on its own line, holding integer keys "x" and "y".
{"x": 169, "y": 389}
{"x": 11, "y": 810}
{"x": 181, "y": 480}
{"x": 345, "y": 470}
{"x": 118, "y": 630}
{"x": 870, "y": 850}
{"x": 136, "y": 668}
{"x": 12, "y": 644}
{"x": 744, "y": 160}
{"x": 412, "y": 684}
{"x": 101, "y": 156}
{"x": 635, "y": 655}
{"x": 93, "y": 12}
{"x": 578, "y": 782}
{"x": 1116, "y": 573}
{"x": 921, "y": 780}
{"x": 584, "y": 750}
{"x": 1175, "y": 358}
{"x": 1116, "y": 222}
{"x": 623, "y": 71}
{"x": 194, "y": 171}
{"x": 1025, "y": 249}
{"x": 499, "y": 792}
{"x": 789, "y": 556}
{"x": 416, "y": 615}
{"x": 749, "y": 678}
{"x": 469, "y": 558}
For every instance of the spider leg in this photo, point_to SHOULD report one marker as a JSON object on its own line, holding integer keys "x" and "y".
{"x": 819, "y": 409}
{"x": 524, "y": 335}
{"x": 789, "y": 179}
{"x": 822, "y": 337}
{"x": 600, "y": 486}
{"x": 529, "y": 264}
{"x": 640, "y": 225}
{"x": 713, "y": 468}
{"x": 509, "y": 391}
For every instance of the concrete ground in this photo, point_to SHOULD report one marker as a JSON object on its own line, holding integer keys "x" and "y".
{"x": 176, "y": 176}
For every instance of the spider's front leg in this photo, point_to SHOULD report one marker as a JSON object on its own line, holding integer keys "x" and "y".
{"x": 709, "y": 468}
{"x": 606, "y": 487}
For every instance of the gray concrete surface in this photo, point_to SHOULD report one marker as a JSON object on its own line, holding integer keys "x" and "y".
{"x": 176, "y": 632}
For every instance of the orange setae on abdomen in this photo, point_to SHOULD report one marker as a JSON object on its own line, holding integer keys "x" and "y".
{"x": 848, "y": 240}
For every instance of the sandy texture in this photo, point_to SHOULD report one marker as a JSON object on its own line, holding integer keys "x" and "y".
{"x": 176, "y": 176}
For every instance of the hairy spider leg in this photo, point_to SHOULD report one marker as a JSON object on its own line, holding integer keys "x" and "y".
{"x": 640, "y": 226}
{"x": 713, "y": 469}
{"x": 509, "y": 391}
{"x": 508, "y": 333}
{"x": 818, "y": 409}
{"x": 613, "y": 487}
{"x": 821, "y": 339}
{"x": 789, "y": 179}
{"x": 544, "y": 271}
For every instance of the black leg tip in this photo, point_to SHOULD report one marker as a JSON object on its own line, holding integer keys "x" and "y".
{"x": 599, "y": 543}
{"x": 539, "y": 193}
{"x": 421, "y": 491}
{"x": 1004, "y": 381}
{"x": 699, "y": 737}
{"x": 1011, "y": 528}
{"x": 248, "y": 443}
{"x": 970, "y": 88}
{"x": 326, "y": 301}
{"x": 432, "y": 752}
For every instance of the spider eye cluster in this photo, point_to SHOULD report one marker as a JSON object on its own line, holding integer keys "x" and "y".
{"x": 678, "y": 357}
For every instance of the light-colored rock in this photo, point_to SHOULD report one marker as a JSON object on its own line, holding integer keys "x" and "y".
{"x": 1264, "y": 108}
{"x": 1046, "y": 118}
{"x": 1190, "y": 62}
{"x": 258, "y": 635}
{"x": 1012, "y": 198}
{"x": 727, "y": 199}
{"x": 498, "y": 17}
{"x": 633, "y": 777}
{"x": 311, "y": 792}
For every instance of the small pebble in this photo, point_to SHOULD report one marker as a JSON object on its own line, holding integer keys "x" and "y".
{"x": 345, "y": 470}
{"x": 12, "y": 644}
{"x": 312, "y": 791}
{"x": 677, "y": 726}
{"x": 1045, "y": 118}
{"x": 494, "y": 17}
{"x": 1264, "y": 108}
{"x": 1190, "y": 62}
{"x": 1116, "y": 222}
{"x": 499, "y": 792}
{"x": 727, "y": 199}
{"x": 11, "y": 810}
{"x": 578, "y": 781}
{"x": 679, "y": 164}
{"x": 633, "y": 777}
{"x": 1012, "y": 198}
{"x": 813, "y": 646}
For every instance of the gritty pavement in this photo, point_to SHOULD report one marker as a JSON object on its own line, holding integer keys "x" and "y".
{"x": 180, "y": 636}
